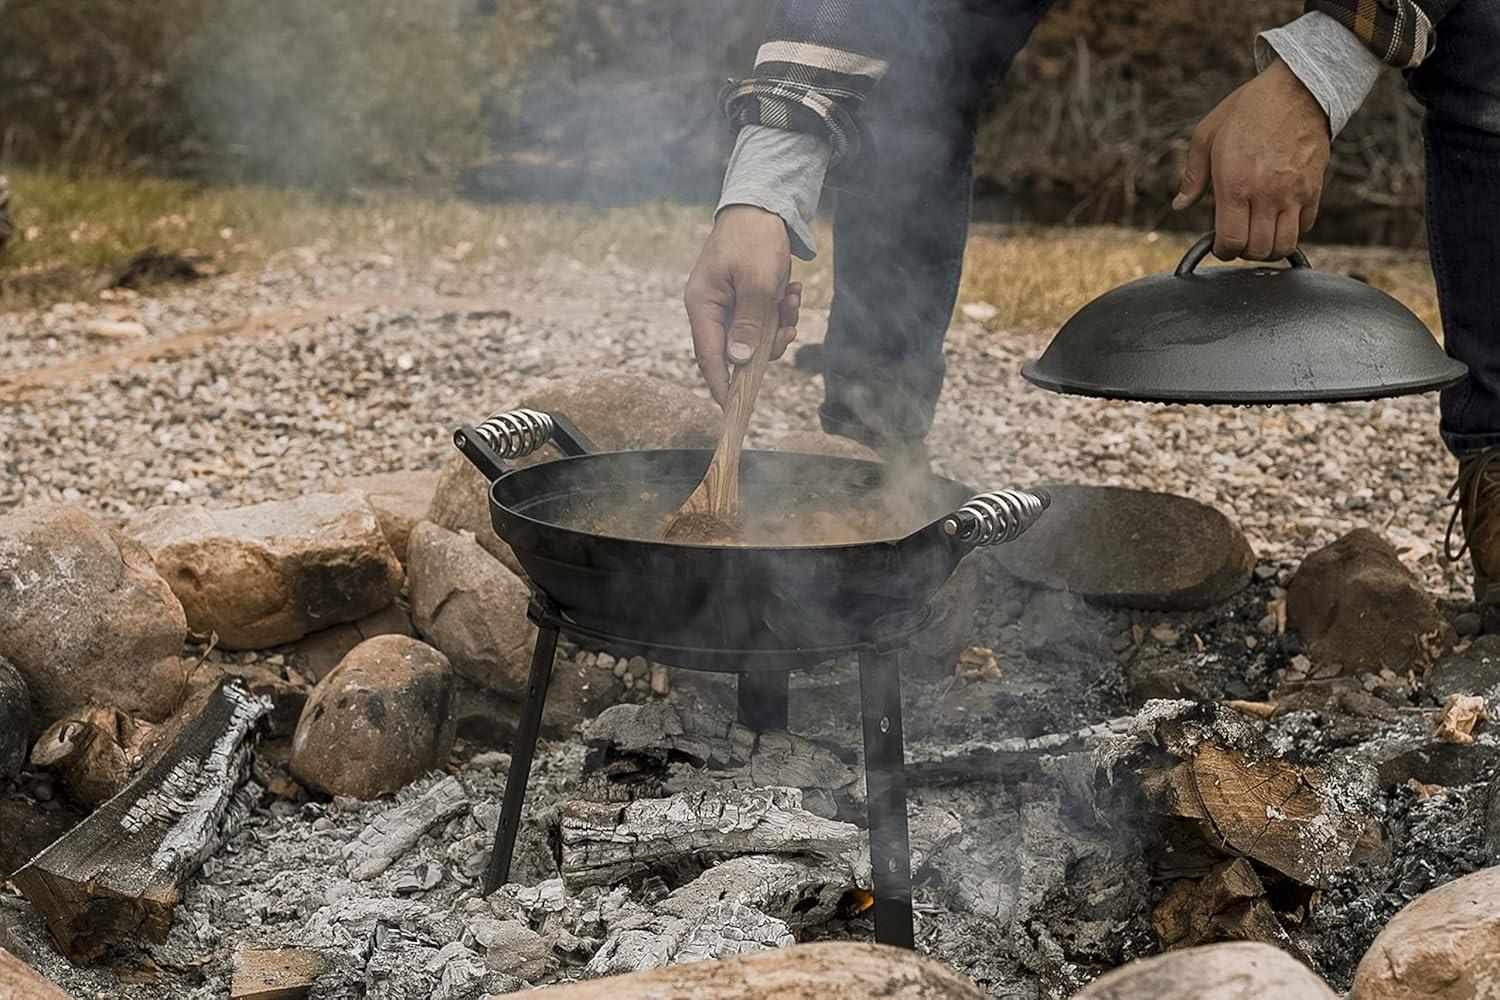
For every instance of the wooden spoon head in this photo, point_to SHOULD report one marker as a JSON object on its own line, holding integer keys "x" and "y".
{"x": 704, "y": 528}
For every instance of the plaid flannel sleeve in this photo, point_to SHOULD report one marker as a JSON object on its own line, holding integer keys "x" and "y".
{"x": 820, "y": 60}
{"x": 1401, "y": 32}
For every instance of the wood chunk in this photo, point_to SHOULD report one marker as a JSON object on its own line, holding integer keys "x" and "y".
{"x": 828, "y": 971}
{"x": 603, "y": 843}
{"x": 21, "y": 981}
{"x": 393, "y": 833}
{"x": 275, "y": 973}
{"x": 1277, "y": 813}
{"x": 117, "y": 876}
{"x": 1228, "y": 904}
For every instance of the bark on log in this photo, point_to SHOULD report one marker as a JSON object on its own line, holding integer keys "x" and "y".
{"x": 840, "y": 971}
{"x": 117, "y": 876}
{"x": 19, "y": 980}
{"x": 604, "y": 843}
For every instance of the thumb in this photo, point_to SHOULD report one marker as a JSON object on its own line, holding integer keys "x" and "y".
{"x": 1197, "y": 174}
{"x": 754, "y": 319}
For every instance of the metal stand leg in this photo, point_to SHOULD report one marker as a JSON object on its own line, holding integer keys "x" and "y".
{"x": 763, "y": 699}
{"x": 885, "y": 780}
{"x": 530, "y": 723}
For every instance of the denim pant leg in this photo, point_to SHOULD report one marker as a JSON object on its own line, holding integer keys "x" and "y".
{"x": 1459, "y": 87}
{"x": 898, "y": 248}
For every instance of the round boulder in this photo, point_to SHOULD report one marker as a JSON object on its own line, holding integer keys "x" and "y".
{"x": 1445, "y": 945}
{"x": 381, "y": 718}
{"x": 84, "y": 616}
{"x": 1240, "y": 970}
{"x": 1133, "y": 548}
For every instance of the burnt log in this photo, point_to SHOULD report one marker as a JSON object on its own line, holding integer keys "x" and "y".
{"x": 829, "y": 971}
{"x": 117, "y": 877}
{"x": 603, "y": 844}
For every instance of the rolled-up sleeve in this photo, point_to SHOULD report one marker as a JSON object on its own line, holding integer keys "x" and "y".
{"x": 781, "y": 171}
{"x": 1332, "y": 63}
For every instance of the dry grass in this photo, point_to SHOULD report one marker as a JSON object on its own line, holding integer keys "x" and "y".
{"x": 1035, "y": 278}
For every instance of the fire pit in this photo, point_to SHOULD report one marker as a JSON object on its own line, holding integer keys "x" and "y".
{"x": 757, "y": 611}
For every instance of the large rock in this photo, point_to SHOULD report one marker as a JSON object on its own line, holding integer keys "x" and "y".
{"x": 1356, "y": 606}
{"x": 383, "y": 717}
{"x": 84, "y": 616}
{"x": 1445, "y": 945}
{"x": 270, "y": 574}
{"x": 1239, "y": 970}
{"x": 15, "y": 722}
{"x": 618, "y": 412}
{"x": 1133, "y": 548}
{"x": 468, "y": 604}
{"x": 399, "y": 500}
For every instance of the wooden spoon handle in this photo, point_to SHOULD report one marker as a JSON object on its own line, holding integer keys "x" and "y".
{"x": 723, "y": 478}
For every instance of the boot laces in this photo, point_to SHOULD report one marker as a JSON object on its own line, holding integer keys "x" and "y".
{"x": 1477, "y": 493}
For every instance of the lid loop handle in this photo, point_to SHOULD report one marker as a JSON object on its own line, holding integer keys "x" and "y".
{"x": 1198, "y": 251}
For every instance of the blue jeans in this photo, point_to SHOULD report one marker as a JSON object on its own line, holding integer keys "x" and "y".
{"x": 898, "y": 249}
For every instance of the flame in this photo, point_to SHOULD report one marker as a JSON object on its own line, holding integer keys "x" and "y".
{"x": 859, "y": 900}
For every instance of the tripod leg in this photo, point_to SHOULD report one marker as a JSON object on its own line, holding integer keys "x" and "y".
{"x": 885, "y": 779}
{"x": 520, "y": 759}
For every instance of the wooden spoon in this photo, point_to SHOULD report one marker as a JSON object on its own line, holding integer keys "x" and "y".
{"x": 711, "y": 514}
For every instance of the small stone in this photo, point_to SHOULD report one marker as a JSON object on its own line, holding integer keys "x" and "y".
{"x": 381, "y": 718}
{"x": 605, "y": 661}
{"x": 1265, "y": 571}
{"x": 660, "y": 685}
{"x": 322, "y": 824}
{"x": 1474, "y": 671}
{"x": 639, "y": 667}
{"x": 1468, "y": 623}
{"x": 621, "y": 668}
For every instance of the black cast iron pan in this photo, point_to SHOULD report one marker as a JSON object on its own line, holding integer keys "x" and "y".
{"x": 585, "y": 529}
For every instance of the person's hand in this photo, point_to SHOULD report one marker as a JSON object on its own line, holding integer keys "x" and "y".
{"x": 739, "y": 292}
{"x": 1264, "y": 149}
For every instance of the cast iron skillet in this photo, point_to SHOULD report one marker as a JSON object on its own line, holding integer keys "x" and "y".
{"x": 680, "y": 600}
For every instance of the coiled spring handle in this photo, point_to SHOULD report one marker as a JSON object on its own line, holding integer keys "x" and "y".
{"x": 997, "y": 518}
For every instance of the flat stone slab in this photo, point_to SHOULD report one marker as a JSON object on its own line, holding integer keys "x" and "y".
{"x": 1132, "y": 548}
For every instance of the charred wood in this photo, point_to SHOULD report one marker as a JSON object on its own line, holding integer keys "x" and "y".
{"x": 117, "y": 876}
{"x": 603, "y": 843}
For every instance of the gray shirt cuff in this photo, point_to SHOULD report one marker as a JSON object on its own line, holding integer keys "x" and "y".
{"x": 1330, "y": 61}
{"x": 780, "y": 171}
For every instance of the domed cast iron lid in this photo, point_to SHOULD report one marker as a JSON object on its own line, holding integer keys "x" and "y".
{"x": 1244, "y": 335}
